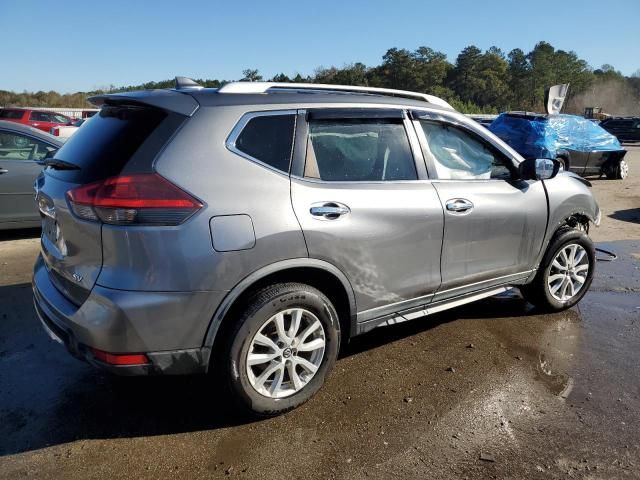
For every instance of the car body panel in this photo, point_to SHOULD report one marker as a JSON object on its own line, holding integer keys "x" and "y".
{"x": 364, "y": 242}
{"x": 501, "y": 235}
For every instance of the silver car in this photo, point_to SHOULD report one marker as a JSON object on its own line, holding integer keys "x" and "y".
{"x": 251, "y": 229}
{"x": 22, "y": 152}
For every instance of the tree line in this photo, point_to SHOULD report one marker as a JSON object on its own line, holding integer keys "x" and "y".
{"x": 477, "y": 81}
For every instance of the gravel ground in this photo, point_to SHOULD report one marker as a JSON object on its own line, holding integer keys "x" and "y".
{"x": 490, "y": 390}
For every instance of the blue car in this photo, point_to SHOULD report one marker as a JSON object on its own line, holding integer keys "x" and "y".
{"x": 578, "y": 144}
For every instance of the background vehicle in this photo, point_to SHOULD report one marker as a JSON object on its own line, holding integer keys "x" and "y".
{"x": 626, "y": 129}
{"x": 65, "y": 131}
{"x": 21, "y": 148}
{"x": 252, "y": 228}
{"x": 595, "y": 113}
{"x": 578, "y": 144}
{"x": 40, "y": 119}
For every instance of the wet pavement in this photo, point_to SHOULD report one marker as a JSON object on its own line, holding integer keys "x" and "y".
{"x": 491, "y": 390}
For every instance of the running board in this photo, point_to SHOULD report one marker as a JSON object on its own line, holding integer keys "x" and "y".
{"x": 425, "y": 310}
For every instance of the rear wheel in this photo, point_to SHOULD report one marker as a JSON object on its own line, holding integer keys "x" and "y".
{"x": 282, "y": 348}
{"x": 565, "y": 274}
{"x": 618, "y": 171}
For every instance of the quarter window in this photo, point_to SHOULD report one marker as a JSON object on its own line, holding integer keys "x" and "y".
{"x": 269, "y": 139}
{"x": 459, "y": 155}
{"x": 361, "y": 150}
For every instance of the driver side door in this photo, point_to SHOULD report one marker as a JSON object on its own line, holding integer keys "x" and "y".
{"x": 494, "y": 225}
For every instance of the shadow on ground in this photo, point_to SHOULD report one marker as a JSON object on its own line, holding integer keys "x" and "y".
{"x": 49, "y": 398}
{"x": 6, "y": 235}
{"x": 629, "y": 215}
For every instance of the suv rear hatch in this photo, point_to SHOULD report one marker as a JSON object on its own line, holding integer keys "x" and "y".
{"x": 116, "y": 145}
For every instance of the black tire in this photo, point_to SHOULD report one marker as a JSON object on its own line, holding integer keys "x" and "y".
{"x": 618, "y": 171}
{"x": 261, "y": 307}
{"x": 538, "y": 291}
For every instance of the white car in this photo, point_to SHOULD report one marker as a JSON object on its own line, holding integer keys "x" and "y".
{"x": 65, "y": 131}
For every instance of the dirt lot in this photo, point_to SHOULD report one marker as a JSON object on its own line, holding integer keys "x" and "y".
{"x": 492, "y": 390}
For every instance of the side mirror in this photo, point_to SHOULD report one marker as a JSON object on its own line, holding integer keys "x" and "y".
{"x": 539, "y": 169}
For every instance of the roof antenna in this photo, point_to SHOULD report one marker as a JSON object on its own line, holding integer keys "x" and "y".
{"x": 184, "y": 82}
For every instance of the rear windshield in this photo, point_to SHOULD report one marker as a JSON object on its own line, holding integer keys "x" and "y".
{"x": 117, "y": 139}
{"x": 13, "y": 114}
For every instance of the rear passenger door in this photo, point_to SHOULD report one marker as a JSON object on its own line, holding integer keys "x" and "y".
{"x": 366, "y": 207}
{"x": 494, "y": 225}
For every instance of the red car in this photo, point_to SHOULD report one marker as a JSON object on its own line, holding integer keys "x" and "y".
{"x": 40, "y": 119}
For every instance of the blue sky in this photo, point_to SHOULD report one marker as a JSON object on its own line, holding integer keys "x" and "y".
{"x": 69, "y": 45}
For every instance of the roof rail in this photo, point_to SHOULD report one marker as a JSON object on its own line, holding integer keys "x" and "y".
{"x": 185, "y": 82}
{"x": 264, "y": 87}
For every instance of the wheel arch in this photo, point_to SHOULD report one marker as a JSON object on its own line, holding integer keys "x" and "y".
{"x": 573, "y": 220}
{"x": 319, "y": 274}
{"x": 566, "y": 156}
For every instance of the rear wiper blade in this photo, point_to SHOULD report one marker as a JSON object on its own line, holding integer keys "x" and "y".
{"x": 57, "y": 164}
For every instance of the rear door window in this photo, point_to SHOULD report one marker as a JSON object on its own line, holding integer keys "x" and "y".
{"x": 118, "y": 138}
{"x": 267, "y": 138}
{"x": 359, "y": 150}
{"x": 39, "y": 117}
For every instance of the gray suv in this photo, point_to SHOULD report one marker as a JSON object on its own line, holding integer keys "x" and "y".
{"x": 251, "y": 229}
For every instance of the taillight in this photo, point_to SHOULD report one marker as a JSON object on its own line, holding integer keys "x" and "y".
{"x": 120, "y": 358}
{"x": 138, "y": 199}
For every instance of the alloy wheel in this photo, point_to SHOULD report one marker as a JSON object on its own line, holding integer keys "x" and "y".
{"x": 624, "y": 169}
{"x": 568, "y": 273}
{"x": 285, "y": 353}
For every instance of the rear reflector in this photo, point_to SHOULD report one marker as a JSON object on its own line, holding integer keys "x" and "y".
{"x": 138, "y": 199}
{"x": 120, "y": 359}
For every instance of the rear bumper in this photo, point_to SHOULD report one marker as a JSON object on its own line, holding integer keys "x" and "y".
{"x": 169, "y": 327}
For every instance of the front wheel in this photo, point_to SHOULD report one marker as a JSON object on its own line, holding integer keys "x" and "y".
{"x": 282, "y": 348}
{"x": 565, "y": 273}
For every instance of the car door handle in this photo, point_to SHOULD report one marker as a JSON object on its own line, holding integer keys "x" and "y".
{"x": 459, "y": 205}
{"x": 3, "y": 170}
{"x": 328, "y": 210}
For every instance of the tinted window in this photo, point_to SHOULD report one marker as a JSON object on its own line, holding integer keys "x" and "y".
{"x": 269, "y": 139}
{"x": 460, "y": 155}
{"x": 14, "y": 146}
{"x": 364, "y": 150}
{"x": 111, "y": 140}
{"x": 13, "y": 114}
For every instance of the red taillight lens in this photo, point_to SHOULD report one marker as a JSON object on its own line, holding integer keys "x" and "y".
{"x": 140, "y": 199}
{"x": 120, "y": 358}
